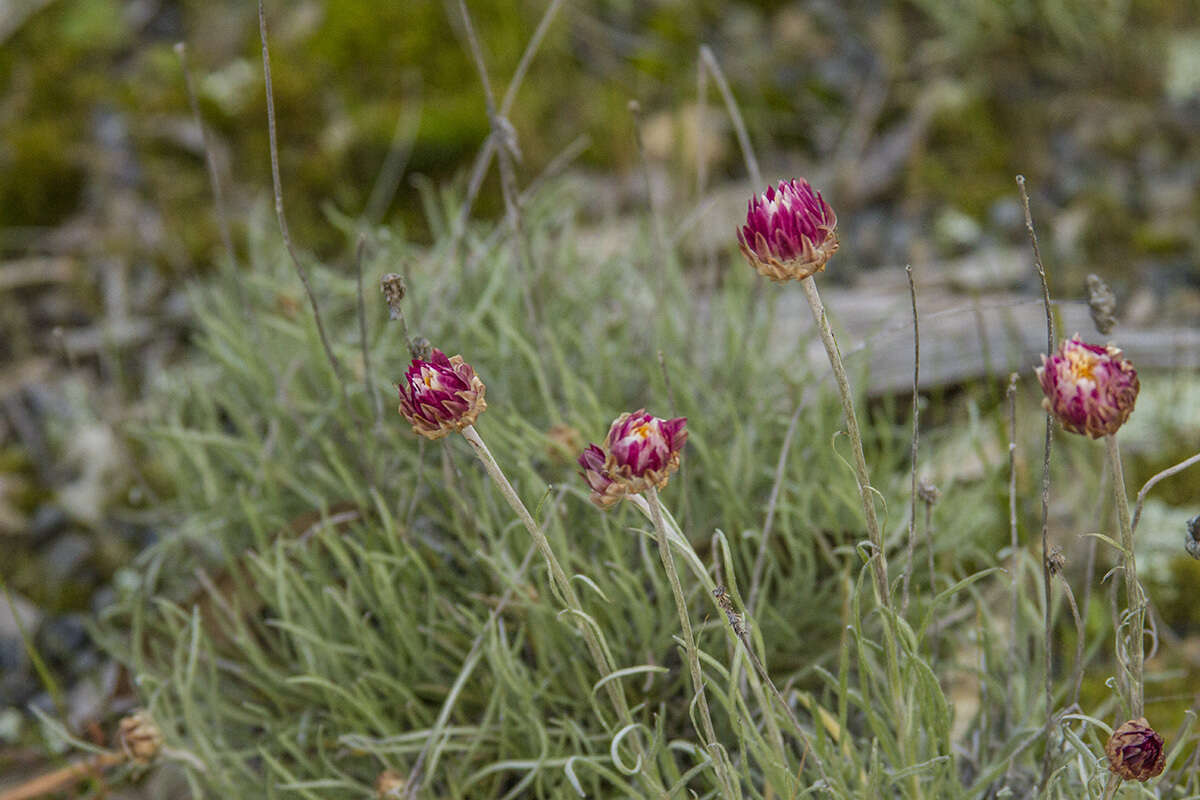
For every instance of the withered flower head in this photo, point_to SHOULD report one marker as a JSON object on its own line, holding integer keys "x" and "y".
{"x": 441, "y": 395}
{"x": 1135, "y": 751}
{"x": 790, "y": 232}
{"x": 1090, "y": 389}
{"x": 139, "y": 737}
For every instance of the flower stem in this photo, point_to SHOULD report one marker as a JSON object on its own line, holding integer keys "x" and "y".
{"x": 595, "y": 648}
{"x": 865, "y": 491}
{"x": 1133, "y": 590}
{"x": 878, "y": 562}
{"x": 689, "y": 641}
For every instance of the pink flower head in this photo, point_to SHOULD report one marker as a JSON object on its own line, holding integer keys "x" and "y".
{"x": 441, "y": 395}
{"x": 1089, "y": 388}
{"x": 642, "y": 450}
{"x": 790, "y": 232}
{"x": 605, "y": 491}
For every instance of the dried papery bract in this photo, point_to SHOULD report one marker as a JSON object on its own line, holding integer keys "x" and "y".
{"x": 605, "y": 491}
{"x": 790, "y": 232}
{"x": 1090, "y": 389}
{"x": 1135, "y": 751}
{"x": 390, "y": 783}
{"x": 441, "y": 395}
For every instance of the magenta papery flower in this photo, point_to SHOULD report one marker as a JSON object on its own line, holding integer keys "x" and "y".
{"x": 642, "y": 450}
{"x": 1089, "y": 388}
{"x": 441, "y": 395}
{"x": 790, "y": 232}
{"x": 605, "y": 491}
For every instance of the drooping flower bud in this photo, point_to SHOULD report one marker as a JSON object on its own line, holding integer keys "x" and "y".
{"x": 1089, "y": 388}
{"x": 441, "y": 395}
{"x": 790, "y": 232}
{"x": 605, "y": 491}
{"x": 1135, "y": 751}
{"x": 642, "y": 450}
{"x": 139, "y": 737}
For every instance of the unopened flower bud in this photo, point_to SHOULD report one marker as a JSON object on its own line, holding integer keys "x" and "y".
{"x": 139, "y": 737}
{"x": 1135, "y": 751}
{"x": 1090, "y": 389}
{"x": 441, "y": 395}
{"x": 790, "y": 232}
{"x": 928, "y": 493}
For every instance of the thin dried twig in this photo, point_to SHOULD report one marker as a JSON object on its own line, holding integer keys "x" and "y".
{"x": 64, "y": 778}
{"x": 1150, "y": 484}
{"x": 1041, "y": 271}
{"x": 372, "y": 389}
{"x": 739, "y": 125}
{"x": 283, "y": 228}
{"x": 210, "y": 161}
{"x": 505, "y": 137}
{"x": 916, "y": 434}
{"x": 484, "y": 159}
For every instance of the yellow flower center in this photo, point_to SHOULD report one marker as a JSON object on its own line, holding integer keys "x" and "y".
{"x": 1082, "y": 365}
{"x": 643, "y": 430}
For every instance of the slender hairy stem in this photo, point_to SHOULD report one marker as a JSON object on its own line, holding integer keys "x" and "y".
{"x": 599, "y": 655}
{"x": 865, "y": 491}
{"x": 689, "y": 642}
{"x": 878, "y": 561}
{"x": 1166, "y": 473}
{"x": 1134, "y": 598}
{"x": 1014, "y": 634}
{"x": 1046, "y": 593}
{"x": 1077, "y": 679}
{"x": 916, "y": 434}
{"x": 278, "y": 187}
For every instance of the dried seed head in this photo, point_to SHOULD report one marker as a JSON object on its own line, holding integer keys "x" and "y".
{"x": 1102, "y": 304}
{"x": 1089, "y": 388}
{"x": 1056, "y": 561}
{"x": 441, "y": 395}
{"x": 790, "y": 232}
{"x": 139, "y": 737}
{"x": 1135, "y": 751}
{"x": 390, "y": 783}
{"x": 1192, "y": 545}
{"x": 393, "y": 288}
{"x": 928, "y": 493}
